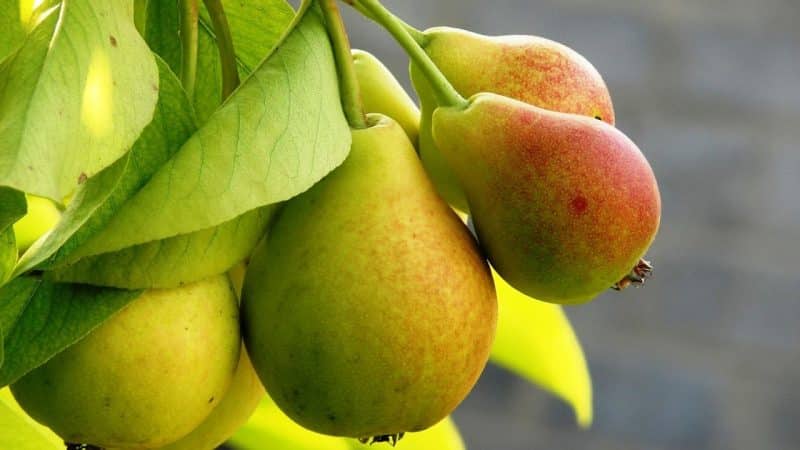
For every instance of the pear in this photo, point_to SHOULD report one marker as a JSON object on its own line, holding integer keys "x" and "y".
{"x": 382, "y": 93}
{"x": 238, "y": 404}
{"x": 145, "y": 377}
{"x": 240, "y": 400}
{"x": 531, "y": 69}
{"x": 564, "y": 205}
{"x": 368, "y": 310}
{"x": 41, "y": 217}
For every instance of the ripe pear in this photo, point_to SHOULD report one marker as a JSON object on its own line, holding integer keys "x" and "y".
{"x": 368, "y": 309}
{"x": 531, "y": 69}
{"x": 564, "y": 205}
{"x": 145, "y": 377}
{"x": 382, "y": 93}
{"x": 42, "y": 215}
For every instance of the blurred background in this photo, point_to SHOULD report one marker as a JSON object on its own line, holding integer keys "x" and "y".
{"x": 707, "y": 355}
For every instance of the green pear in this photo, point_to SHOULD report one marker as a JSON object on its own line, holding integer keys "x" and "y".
{"x": 368, "y": 310}
{"x": 42, "y": 215}
{"x": 564, "y": 205}
{"x": 147, "y": 376}
{"x": 531, "y": 69}
{"x": 238, "y": 404}
{"x": 382, "y": 93}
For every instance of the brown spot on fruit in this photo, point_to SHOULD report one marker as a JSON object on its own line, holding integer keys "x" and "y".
{"x": 578, "y": 205}
{"x": 112, "y": 40}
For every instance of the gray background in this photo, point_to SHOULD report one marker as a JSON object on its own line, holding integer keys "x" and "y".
{"x": 707, "y": 356}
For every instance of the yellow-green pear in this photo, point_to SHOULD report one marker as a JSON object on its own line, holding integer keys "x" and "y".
{"x": 42, "y": 215}
{"x": 369, "y": 311}
{"x": 147, "y": 376}
{"x": 239, "y": 402}
{"x": 382, "y": 93}
{"x": 531, "y": 69}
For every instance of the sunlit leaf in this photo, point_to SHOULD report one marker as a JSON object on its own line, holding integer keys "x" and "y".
{"x": 442, "y": 436}
{"x": 280, "y": 132}
{"x": 270, "y": 428}
{"x": 173, "y": 261}
{"x": 20, "y": 432}
{"x": 74, "y": 97}
{"x": 101, "y": 196}
{"x": 535, "y": 340}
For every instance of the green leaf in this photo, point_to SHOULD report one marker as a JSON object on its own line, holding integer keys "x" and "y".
{"x": 20, "y": 432}
{"x": 280, "y": 133}
{"x": 270, "y": 428}
{"x": 12, "y": 207}
{"x": 256, "y": 26}
{"x": 96, "y": 202}
{"x": 39, "y": 319}
{"x": 8, "y": 254}
{"x": 174, "y": 261}
{"x": 83, "y": 79}
{"x": 17, "y": 18}
{"x": 535, "y": 340}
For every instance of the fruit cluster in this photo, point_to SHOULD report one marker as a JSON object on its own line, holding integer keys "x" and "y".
{"x": 368, "y": 309}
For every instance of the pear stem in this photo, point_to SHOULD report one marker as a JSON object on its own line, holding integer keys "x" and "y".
{"x": 418, "y": 36}
{"x": 348, "y": 82}
{"x": 445, "y": 93}
{"x": 188, "y": 34}
{"x": 227, "y": 56}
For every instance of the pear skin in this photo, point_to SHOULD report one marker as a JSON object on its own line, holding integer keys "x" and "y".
{"x": 564, "y": 205}
{"x": 145, "y": 377}
{"x": 369, "y": 310}
{"x": 531, "y": 69}
{"x": 382, "y": 93}
{"x": 42, "y": 216}
{"x": 238, "y": 404}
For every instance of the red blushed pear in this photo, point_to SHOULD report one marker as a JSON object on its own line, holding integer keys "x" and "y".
{"x": 564, "y": 205}
{"x": 531, "y": 69}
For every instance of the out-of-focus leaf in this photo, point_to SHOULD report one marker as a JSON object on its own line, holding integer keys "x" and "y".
{"x": 535, "y": 340}
{"x": 20, "y": 432}
{"x": 270, "y": 428}
{"x": 442, "y": 436}
{"x": 84, "y": 79}
{"x": 17, "y": 18}
{"x": 39, "y": 319}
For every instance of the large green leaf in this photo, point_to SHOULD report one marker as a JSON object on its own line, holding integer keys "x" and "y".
{"x": 279, "y": 133}
{"x": 39, "y": 319}
{"x": 256, "y": 26}
{"x": 12, "y": 207}
{"x": 96, "y": 201}
{"x": 173, "y": 261}
{"x": 535, "y": 340}
{"x": 74, "y": 97}
{"x": 20, "y": 432}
